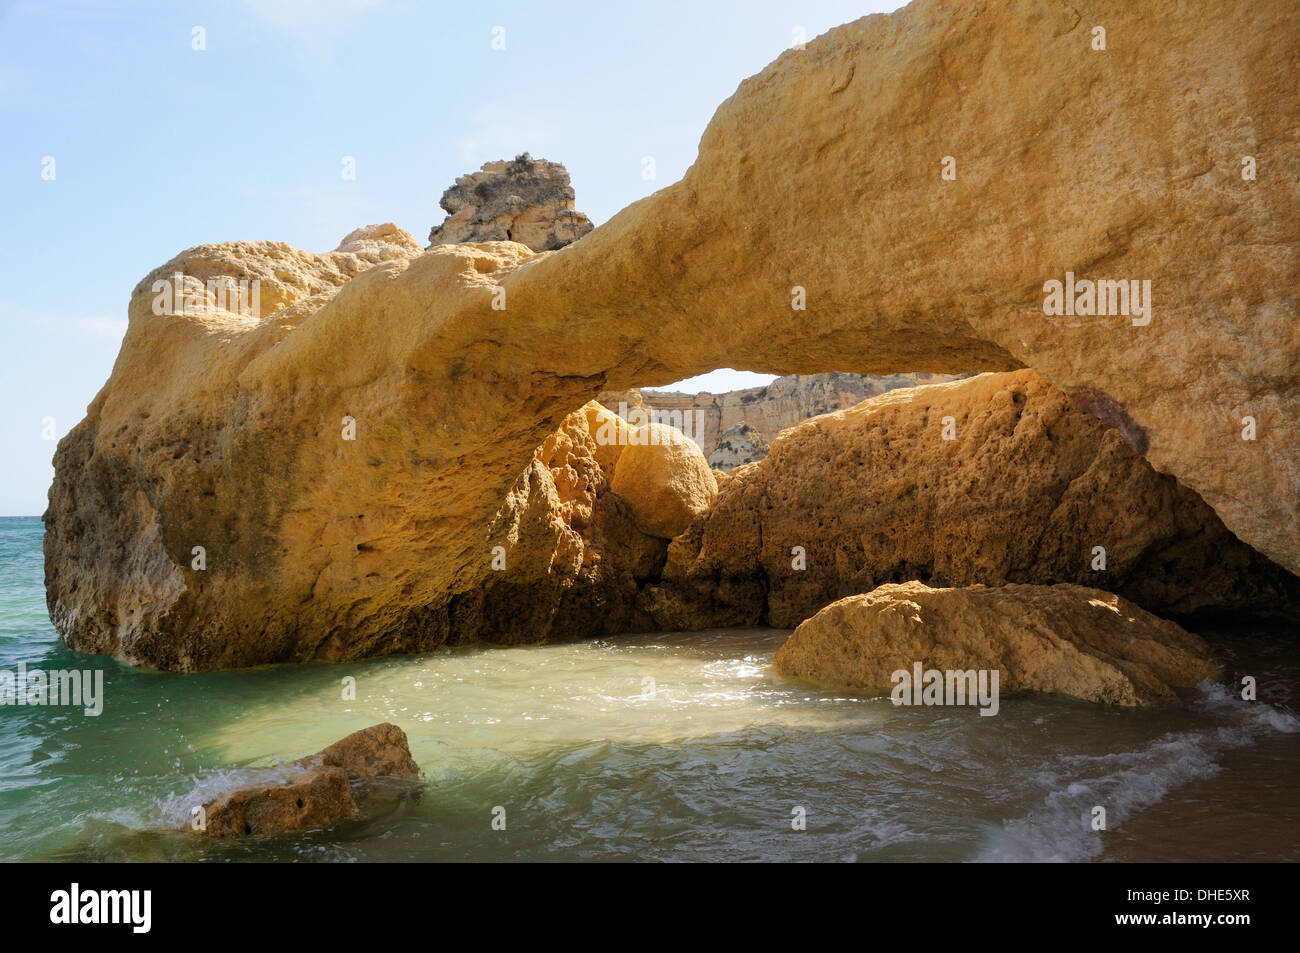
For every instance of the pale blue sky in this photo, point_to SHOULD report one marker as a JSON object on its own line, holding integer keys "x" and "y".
{"x": 158, "y": 147}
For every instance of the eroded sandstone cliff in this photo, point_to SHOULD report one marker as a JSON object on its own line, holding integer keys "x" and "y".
{"x": 995, "y": 479}
{"x": 738, "y": 445}
{"x": 524, "y": 200}
{"x": 582, "y": 531}
{"x": 767, "y": 410}
{"x": 455, "y": 364}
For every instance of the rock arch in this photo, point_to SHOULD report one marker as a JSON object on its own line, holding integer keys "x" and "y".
{"x": 822, "y": 171}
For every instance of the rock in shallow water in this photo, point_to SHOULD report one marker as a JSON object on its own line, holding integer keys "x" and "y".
{"x": 375, "y": 752}
{"x": 315, "y": 791}
{"x": 307, "y": 799}
{"x": 1063, "y": 639}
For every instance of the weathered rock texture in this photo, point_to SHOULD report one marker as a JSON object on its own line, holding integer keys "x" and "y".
{"x": 525, "y": 200}
{"x": 1025, "y": 491}
{"x": 1124, "y": 163}
{"x": 1064, "y": 639}
{"x": 737, "y": 445}
{"x": 300, "y": 800}
{"x": 380, "y": 751}
{"x": 767, "y": 410}
{"x": 666, "y": 482}
{"x": 312, "y": 792}
{"x": 583, "y": 530}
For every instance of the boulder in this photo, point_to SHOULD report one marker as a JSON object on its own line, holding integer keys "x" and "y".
{"x": 312, "y": 792}
{"x": 523, "y": 200}
{"x": 568, "y": 553}
{"x": 377, "y": 751}
{"x": 1063, "y": 640}
{"x": 301, "y": 800}
{"x": 665, "y": 480}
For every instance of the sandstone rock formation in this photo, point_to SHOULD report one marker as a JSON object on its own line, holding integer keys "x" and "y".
{"x": 1027, "y": 488}
{"x": 312, "y": 792}
{"x": 665, "y": 480}
{"x": 1064, "y": 639}
{"x": 767, "y": 410}
{"x": 582, "y": 531}
{"x": 737, "y": 445}
{"x": 1117, "y": 164}
{"x": 297, "y": 800}
{"x": 524, "y": 200}
{"x": 380, "y": 751}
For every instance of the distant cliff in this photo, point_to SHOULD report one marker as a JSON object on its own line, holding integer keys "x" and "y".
{"x": 736, "y": 446}
{"x": 764, "y": 410}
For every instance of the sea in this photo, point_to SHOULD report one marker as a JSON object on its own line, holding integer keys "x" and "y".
{"x": 680, "y": 746}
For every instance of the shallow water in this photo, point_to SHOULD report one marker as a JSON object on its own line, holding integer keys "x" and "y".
{"x": 680, "y": 746}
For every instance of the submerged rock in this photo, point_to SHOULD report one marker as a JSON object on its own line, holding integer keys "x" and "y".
{"x": 304, "y": 799}
{"x": 312, "y": 792}
{"x": 377, "y": 751}
{"x": 1063, "y": 639}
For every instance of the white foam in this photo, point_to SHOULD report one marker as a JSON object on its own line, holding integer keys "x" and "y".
{"x": 1127, "y": 782}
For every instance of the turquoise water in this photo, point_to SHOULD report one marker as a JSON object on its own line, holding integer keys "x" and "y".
{"x": 677, "y": 746}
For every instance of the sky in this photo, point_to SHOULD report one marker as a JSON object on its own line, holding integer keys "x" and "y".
{"x": 124, "y": 143}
